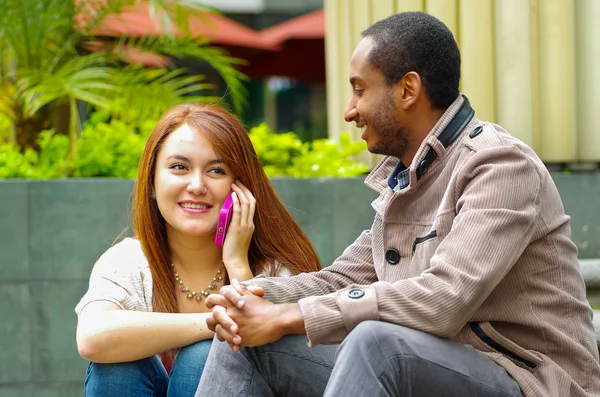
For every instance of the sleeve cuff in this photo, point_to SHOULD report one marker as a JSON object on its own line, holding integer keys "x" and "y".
{"x": 358, "y": 304}
{"x": 322, "y": 320}
{"x": 329, "y": 318}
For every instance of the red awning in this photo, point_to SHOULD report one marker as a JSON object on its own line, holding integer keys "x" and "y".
{"x": 135, "y": 21}
{"x": 294, "y": 48}
{"x": 302, "y": 49}
{"x": 304, "y": 27}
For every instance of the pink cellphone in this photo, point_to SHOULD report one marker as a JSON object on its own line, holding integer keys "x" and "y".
{"x": 224, "y": 220}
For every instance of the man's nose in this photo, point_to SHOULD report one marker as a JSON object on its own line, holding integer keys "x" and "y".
{"x": 350, "y": 112}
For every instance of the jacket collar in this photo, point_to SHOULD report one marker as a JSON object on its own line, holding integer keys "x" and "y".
{"x": 378, "y": 177}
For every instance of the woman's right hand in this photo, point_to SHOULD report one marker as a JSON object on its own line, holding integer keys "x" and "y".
{"x": 239, "y": 233}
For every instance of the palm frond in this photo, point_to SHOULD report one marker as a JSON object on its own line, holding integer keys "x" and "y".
{"x": 147, "y": 93}
{"x": 31, "y": 27}
{"x": 41, "y": 61}
{"x": 86, "y": 78}
{"x": 201, "y": 49}
{"x": 175, "y": 15}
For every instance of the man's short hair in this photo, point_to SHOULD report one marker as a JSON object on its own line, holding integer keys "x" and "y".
{"x": 417, "y": 42}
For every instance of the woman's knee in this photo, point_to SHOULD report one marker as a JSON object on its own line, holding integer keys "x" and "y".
{"x": 150, "y": 366}
{"x": 192, "y": 354}
{"x": 135, "y": 376}
{"x": 188, "y": 367}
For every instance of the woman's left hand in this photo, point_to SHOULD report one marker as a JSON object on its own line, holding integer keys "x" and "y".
{"x": 239, "y": 233}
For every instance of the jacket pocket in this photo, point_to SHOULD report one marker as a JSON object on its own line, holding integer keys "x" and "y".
{"x": 420, "y": 240}
{"x": 492, "y": 338}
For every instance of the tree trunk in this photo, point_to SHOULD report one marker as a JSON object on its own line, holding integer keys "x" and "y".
{"x": 28, "y": 129}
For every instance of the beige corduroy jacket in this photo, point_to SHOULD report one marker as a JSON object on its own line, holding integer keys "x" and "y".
{"x": 486, "y": 260}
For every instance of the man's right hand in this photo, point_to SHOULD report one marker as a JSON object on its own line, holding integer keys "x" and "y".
{"x": 230, "y": 295}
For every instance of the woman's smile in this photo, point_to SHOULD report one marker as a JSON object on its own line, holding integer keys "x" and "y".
{"x": 195, "y": 207}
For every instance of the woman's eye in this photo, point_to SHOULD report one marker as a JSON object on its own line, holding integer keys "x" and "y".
{"x": 218, "y": 170}
{"x": 177, "y": 166}
{"x": 358, "y": 91}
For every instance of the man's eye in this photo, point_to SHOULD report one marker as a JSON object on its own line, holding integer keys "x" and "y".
{"x": 177, "y": 166}
{"x": 358, "y": 91}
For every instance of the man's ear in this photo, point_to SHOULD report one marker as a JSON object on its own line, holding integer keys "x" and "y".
{"x": 410, "y": 88}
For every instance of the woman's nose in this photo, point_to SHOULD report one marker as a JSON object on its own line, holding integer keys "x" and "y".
{"x": 196, "y": 185}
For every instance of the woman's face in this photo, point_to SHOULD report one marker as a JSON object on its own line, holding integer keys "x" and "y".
{"x": 191, "y": 183}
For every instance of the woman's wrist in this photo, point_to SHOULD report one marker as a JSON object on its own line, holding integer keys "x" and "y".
{"x": 239, "y": 269}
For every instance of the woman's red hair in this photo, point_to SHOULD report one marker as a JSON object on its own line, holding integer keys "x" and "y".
{"x": 277, "y": 239}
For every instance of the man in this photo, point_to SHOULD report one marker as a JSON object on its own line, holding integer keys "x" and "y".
{"x": 467, "y": 284}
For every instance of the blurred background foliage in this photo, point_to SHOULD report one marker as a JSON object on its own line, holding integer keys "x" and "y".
{"x": 54, "y": 69}
{"x": 113, "y": 149}
{"x": 46, "y": 74}
{"x": 286, "y": 155}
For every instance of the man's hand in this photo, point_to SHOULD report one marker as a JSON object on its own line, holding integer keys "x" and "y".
{"x": 229, "y": 295}
{"x": 256, "y": 324}
{"x": 242, "y": 318}
{"x": 235, "y": 291}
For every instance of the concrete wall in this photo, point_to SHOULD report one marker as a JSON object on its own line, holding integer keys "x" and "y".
{"x": 51, "y": 233}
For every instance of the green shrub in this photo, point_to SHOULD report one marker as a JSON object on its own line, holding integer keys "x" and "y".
{"x": 327, "y": 158}
{"x": 109, "y": 150}
{"x": 52, "y": 159}
{"x": 5, "y": 125}
{"x": 286, "y": 155}
{"x": 14, "y": 164}
{"x": 113, "y": 149}
{"x": 48, "y": 163}
{"x": 276, "y": 151}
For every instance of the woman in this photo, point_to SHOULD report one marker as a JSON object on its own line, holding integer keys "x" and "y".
{"x": 144, "y": 311}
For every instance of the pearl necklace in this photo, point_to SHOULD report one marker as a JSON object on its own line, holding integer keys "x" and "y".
{"x": 205, "y": 292}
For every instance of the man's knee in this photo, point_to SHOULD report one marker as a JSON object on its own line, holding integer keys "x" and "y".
{"x": 387, "y": 338}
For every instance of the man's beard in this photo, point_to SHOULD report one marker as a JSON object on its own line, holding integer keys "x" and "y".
{"x": 393, "y": 138}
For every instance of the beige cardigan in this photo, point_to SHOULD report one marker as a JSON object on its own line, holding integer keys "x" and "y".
{"x": 501, "y": 263}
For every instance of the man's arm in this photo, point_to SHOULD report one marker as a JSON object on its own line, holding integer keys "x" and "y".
{"x": 497, "y": 203}
{"x": 354, "y": 266}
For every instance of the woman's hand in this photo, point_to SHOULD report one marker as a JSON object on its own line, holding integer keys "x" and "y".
{"x": 239, "y": 233}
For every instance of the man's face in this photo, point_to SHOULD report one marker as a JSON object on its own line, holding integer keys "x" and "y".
{"x": 372, "y": 106}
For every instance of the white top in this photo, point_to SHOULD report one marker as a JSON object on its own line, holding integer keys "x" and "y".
{"x": 122, "y": 276}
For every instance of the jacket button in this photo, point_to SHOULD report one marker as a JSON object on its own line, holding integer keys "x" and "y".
{"x": 392, "y": 256}
{"x": 475, "y": 132}
{"x": 356, "y": 293}
{"x": 423, "y": 167}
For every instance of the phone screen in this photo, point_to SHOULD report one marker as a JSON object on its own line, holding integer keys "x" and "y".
{"x": 224, "y": 220}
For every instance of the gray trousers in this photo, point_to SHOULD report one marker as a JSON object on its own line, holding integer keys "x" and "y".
{"x": 375, "y": 359}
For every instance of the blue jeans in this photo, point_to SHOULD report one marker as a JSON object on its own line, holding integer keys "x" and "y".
{"x": 148, "y": 377}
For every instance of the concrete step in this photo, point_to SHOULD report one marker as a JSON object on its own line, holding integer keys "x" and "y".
{"x": 597, "y": 325}
{"x": 590, "y": 269}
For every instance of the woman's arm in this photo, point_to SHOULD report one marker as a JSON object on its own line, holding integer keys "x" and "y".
{"x": 107, "y": 334}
